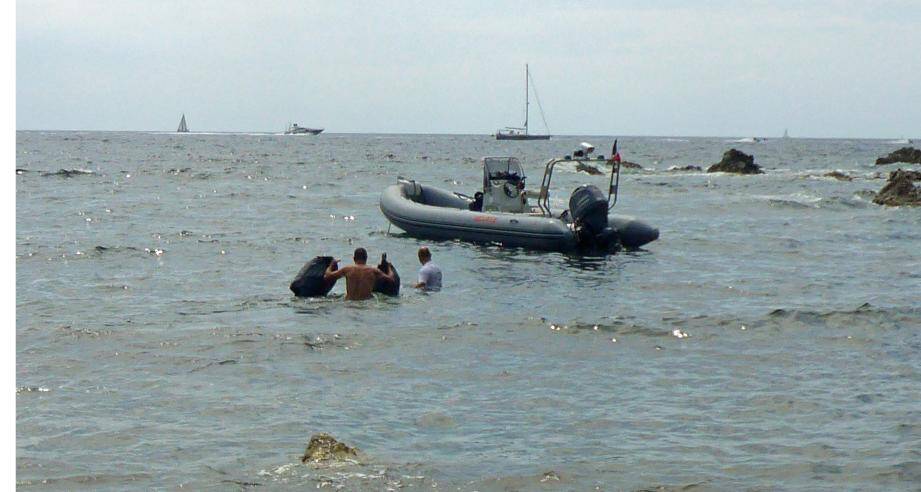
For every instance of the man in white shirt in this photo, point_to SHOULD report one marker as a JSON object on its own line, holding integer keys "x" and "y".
{"x": 429, "y": 274}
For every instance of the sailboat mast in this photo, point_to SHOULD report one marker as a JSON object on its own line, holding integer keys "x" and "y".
{"x": 526, "y": 102}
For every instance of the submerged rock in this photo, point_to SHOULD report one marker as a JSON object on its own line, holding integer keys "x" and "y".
{"x": 588, "y": 168}
{"x": 69, "y": 173}
{"x": 630, "y": 165}
{"x": 737, "y": 162}
{"x": 838, "y": 175}
{"x": 685, "y": 168}
{"x": 900, "y": 190}
{"x": 910, "y": 155}
{"x": 324, "y": 447}
{"x": 550, "y": 476}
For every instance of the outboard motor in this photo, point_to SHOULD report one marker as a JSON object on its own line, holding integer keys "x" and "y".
{"x": 588, "y": 208}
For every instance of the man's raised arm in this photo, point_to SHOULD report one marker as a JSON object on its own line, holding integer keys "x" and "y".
{"x": 331, "y": 274}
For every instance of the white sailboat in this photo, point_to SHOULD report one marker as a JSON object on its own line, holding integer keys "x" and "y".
{"x": 183, "y": 128}
{"x": 521, "y": 133}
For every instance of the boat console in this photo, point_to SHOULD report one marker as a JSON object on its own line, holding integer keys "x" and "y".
{"x": 503, "y": 185}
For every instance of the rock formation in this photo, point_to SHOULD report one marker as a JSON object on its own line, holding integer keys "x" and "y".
{"x": 324, "y": 447}
{"x": 910, "y": 155}
{"x": 737, "y": 162}
{"x": 900, "y": 189}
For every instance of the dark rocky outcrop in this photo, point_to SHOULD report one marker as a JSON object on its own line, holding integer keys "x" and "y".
{"x": 630, "y": 165}
{"x": 383, "y": 285}
{"x": 309, "y": 281}
{"x": 909, "y": 155}
{"x": 588, "y": 168}
{"x": 324, "y": 447}
{"x": 838, "y": 175}
{"x": 900, "y": 190}
{"x": 737, "y": 162}
{"x": 685, "y": 168}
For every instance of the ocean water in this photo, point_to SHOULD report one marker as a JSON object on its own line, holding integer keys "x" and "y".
{"x": 770, "y": 339}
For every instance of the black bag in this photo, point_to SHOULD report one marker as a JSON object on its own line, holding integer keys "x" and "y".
{"x": 309, "y": 281}
{"x": 383, "y": 285}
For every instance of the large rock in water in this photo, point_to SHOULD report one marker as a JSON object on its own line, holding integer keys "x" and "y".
{"x": 900, "y": 189}
{"x": 324, "y": 447}
{"x": 309, "y": 281}
{"x": 910, "y": 155}
{"x": 737, "y": 162}
{"x": 383, "y": 285}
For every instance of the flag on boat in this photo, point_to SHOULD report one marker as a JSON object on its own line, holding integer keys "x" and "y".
{"x": 615, "y": 155}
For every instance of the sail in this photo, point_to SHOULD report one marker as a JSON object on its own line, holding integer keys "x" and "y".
{"x": 182, "y": 126}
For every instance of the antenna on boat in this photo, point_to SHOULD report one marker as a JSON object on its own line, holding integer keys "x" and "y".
{"x": 527, "y": 103}
{"x": 615, "y": 170}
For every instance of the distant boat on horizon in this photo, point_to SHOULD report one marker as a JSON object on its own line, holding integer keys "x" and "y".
{"x": 294, "y": 129}
{"x": 785, "y": 134}
{"x": 521, "y": 133}
{"x": 183, "y": 128}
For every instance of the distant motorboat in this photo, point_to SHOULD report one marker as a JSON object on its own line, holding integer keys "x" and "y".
{"x": 521, "y": 133}
{"x": 183, "y": 128}
{"x": 294, "y": 129}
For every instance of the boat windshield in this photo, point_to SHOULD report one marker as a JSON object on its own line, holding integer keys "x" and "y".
{"x": 501, "y": 168}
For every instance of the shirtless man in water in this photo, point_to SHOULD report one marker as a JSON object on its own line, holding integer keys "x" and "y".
{"x": 359, "y": 278}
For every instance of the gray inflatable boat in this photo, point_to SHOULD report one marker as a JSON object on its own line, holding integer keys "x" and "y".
{"x": 501, "y": 212}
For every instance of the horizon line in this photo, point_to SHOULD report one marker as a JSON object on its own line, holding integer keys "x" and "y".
{"x": 563, "y": 135}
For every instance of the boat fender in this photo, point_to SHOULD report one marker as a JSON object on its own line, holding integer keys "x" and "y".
{"x": 383, "y": 285}
{"x": 309, "y": 282}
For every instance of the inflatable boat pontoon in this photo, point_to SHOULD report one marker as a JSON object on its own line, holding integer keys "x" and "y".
{"x": 501, "y": 212}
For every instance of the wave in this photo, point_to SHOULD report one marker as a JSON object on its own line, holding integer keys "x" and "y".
{"x": 707, "y": 326}
{"x": 796, "y": 200}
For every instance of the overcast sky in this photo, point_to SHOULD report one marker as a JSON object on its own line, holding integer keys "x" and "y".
{"x": 728, "y": 68}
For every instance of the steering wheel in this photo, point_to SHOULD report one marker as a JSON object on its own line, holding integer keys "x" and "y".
{"x": 510, "y": 190}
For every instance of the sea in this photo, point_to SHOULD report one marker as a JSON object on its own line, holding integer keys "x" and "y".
{"x": 770, "y": 339}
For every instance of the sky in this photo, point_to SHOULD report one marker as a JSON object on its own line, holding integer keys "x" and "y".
{"x": 825, "y": 68}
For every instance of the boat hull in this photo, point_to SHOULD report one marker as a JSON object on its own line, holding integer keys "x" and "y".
{"x": 500, "y": 136}
{"x": 304, "y": 131}
{"x": 439, "y": 214}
